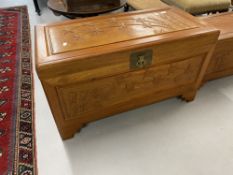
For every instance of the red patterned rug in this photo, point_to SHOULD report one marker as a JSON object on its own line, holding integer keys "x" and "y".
{"x": 17, "y": 139}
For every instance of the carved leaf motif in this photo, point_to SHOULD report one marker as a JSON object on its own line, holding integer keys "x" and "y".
{"x": 158, "y": 23}
{"x": 98, "y": 94}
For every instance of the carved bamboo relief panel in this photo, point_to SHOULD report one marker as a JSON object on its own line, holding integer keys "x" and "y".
{"x": 100, "y": 32}
{"x": 102, "y": 93}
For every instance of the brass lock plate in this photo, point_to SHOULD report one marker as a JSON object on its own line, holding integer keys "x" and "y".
{"x": 141, "y": 59}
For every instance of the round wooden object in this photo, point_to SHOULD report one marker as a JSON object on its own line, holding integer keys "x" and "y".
{"x": 83, "y": 8}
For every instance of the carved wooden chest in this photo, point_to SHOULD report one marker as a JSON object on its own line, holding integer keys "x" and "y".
{"x": 221, "y": 63}
{"x": 96, "y": 67}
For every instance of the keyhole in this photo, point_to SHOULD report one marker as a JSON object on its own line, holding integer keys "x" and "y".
{"x": 141, "y": 61}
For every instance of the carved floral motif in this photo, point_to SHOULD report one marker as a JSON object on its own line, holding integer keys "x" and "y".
{"x": 86, "y": 34}
{"x": 114, "y": 90}
{"x": 159, "y": 22}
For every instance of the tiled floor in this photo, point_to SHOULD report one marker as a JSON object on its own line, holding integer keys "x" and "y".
{"x": 167, "y": 138}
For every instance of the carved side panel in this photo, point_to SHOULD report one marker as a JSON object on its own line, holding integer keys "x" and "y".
{"x": 100, "y": 94}
{"x": 222, "y": 58}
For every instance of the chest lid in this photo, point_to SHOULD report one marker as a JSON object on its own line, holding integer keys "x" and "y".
{"x": 74, "y": 41}
{"x": 223, "y": 22}
{"x": 101, "y": 31}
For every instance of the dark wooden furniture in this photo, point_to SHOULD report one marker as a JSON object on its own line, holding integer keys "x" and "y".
{"x": 37, "y": 8}
{"x": 84, "y": 8}
{"x": 151, "y": 55}
{"x": 221, "y": 63}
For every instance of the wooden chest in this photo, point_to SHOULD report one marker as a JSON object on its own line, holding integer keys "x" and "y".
{"x": 96, "y": 67}
{"x": 221, "y": 63}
